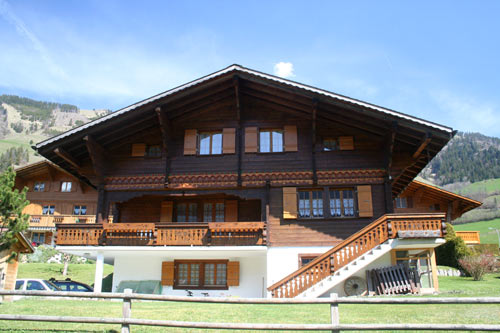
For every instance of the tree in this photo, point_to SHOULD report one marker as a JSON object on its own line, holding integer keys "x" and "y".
{"x": 454, "y": 249}
{"x": 12, "y": 202}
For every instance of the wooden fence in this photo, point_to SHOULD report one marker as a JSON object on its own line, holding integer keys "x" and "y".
{"x": 126, "y": 321}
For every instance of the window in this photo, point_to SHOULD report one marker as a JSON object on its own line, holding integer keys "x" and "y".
{"x": 39, "y": 187}
{"x": 311, "y": 203}
{"x": 66, "y": 186}
{"x": 304, "y": 259}
{"x": 419, "y": 260}
{"x": 210, "y": 143}
{"x": 271, "y": 141}
{"x": 48, "y": 209}
{"x": 80, "y": 210}
{"x": 342, "y": 202}
{"x": 401, "y": 203}
{"x": 213, "y": 211}
{"x": 204, "y": 274}
{"x": 153, "y": 151}
{"x": 34, "y": 285}
{"x": 19, "y": 284}
{"x": 38, "y": 238}
{"x": 330, "y": 144}
{"x": 187, "y": 212}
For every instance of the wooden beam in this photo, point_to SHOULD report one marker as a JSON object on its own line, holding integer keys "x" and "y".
{"x": 165, "y": 130}
{"x": 423, "y": 144}
{"x": 199, "y": 105}
{"x": 67, "y": 157}
{"x": 239, "y": 134}
{"x": 223, "y": 103}
{"x": 313, "y": 141}
{"x": 97, "y": 155}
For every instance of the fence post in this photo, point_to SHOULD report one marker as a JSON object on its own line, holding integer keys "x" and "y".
{"x": 127, "y": 310}
{"x": 334, "y": 311}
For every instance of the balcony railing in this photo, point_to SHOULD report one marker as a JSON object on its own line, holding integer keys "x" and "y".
{"x": 52, "y": 220}
{"x": 469, "y": 237}
{"x": 162, "y": 234}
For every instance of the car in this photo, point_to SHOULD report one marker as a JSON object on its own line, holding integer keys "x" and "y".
{"x": 34, "y": 284}
{"x": 70, "y": 285}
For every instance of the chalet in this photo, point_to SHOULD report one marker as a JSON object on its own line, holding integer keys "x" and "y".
{"x": 55, "y": 196}
{"x": 9, "y": 264}
{"x": 244, "y": 184}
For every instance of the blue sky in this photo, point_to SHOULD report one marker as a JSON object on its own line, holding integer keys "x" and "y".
{"x": 435, "y": 60}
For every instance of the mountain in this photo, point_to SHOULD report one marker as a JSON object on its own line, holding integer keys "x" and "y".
{"x": 467, "y": 158}
{"x": 24, "y": 121}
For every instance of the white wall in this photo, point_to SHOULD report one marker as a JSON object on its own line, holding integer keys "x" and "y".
{"x": 252, "y": 272}
{"x": 282, "y": 261}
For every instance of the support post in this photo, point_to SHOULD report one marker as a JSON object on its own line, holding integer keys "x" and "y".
{"x": 334, "y": 311}
{"x": 126, "y": 310}
{"x": 313, "y": 141}
{"x": 239, "y": 133}
{"x": 99, "y": 269}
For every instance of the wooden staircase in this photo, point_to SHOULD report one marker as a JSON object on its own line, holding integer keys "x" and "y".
{"x": 386, "y": 227}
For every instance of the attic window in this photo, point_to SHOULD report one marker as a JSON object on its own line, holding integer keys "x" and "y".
{"x": 330, "y": 144}
{"x": 153, "y": 151}
{"x": 401, "y": 203}
{"x": 66, "y": 186}
{"x": 39, "y": 187}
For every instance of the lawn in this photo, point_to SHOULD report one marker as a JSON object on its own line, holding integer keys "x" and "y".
{"x": 78, "y": 272}
{"x": 486, "y": 186}
{"x": 487, "y": 236}
{"x": 451, "y": 286}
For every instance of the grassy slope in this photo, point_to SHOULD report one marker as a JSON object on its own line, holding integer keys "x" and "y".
{"x": 488, "y": 185}
{"x": 451, "y": 286}
{"x": 78, "y": 272}
{"x": 487, "y": 236}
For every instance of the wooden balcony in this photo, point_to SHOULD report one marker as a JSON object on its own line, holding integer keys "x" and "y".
{"x": 469, "y": 237}
{"x": 162, "y": 234}
{"x": 52, "y": 220}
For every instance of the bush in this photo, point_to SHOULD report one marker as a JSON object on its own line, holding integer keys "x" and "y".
{"x": 476, "y": 266}
{"x": 454, "y": 249}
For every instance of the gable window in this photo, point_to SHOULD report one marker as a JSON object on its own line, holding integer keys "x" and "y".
{"x": 66, "y": 186}
{"x": 330, "y": 144}
{"x": 79, "y": 210}
{"x": 48, "y": 209}
{"x": 311, "y": 203}
{"x": 210, "y": 143}
{"x": 201, "y": 274}
{"x": 401, "y": 203}
{"x": 153, "y": 151}
{"x": 39, "y": 187}
{"x": 341, "y": 202}
{"x": 271, "y": 141}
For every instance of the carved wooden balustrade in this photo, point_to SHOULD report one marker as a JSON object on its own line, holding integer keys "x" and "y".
{"x": 162, "y": 234}
{"x": 52, "y": 220}
{"x": 469, "y": 237}
{"x": 386, "y": 227}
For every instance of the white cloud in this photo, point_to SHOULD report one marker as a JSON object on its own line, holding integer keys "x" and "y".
{"x": 284, "y": 69}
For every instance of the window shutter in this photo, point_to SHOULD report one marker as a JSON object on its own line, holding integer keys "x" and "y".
{"x": 228, "y": 140}
{"x": 190, "y": 142}
{"x": 346, "y": 143}
{"x": 251, "y": 140}
{"x": 138, "y": 149}
{"x": 289, "y": 202}
{"x": 167, "y": 273}
{"x": 166, "y": 211}
{"x": 409, "y": 202}
{"x": 365, "y": 201}
{"x": 233, "y": 273}
{"x": 231, "y": 211}
{"x": 73, "y": 186}
{"x": 291, "y": 138}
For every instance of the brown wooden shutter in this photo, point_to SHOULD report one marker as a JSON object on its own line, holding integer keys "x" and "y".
{"x": 346, "y": 143}
{"x": 166, "y": 211}
{"x": 233, "y": 273}
{"x": 409, "y": 202}
{"x": 167, "y": 273}
{"x": 73, "y": 186}
{"x": 289, "y": 202}
{"x": 231, "y": 211}
{"x": 291, "y": 138}
{"x": 228, "y": 140}
{"x": 138, "y": 149}
{"x": 190, "y": 142}
{"x": 365, "y": 206}
{"x": 250, "y": 139}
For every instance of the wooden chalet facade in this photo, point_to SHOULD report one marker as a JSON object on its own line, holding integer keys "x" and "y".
{"x": 55, "y": 196}
{"x": 222, "y": 184}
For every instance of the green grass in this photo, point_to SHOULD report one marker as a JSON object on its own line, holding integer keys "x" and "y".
{"x": 78, "y": 272}
{"x": 487, "y": 236}
{"x": 487, "y": 186}
{"x": 308, "y": 314}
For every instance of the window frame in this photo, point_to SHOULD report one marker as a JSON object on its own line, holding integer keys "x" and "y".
{"x": 210, "y": 149}
{"x": 200, "y": 210}
{"x": 311, "y": 208}
{"x": 399, "y": 202}
{"x": 201, "y": 274}
{"x": 342, "y": 208}
{"x": 39, "y": 187}
{"x": 65, "y": 188}
{"x": 311, "y": 256}
{"x": 80, "y": 209}
{"x": 147, "y": 152}
{"x": 271, "y": 149}
{"x": 49, "y": 208}
{"x": 330, "y": 138}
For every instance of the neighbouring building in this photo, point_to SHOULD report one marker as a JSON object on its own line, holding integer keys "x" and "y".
{"x": 8, "y": 265}
{"x": 244, "y": 184}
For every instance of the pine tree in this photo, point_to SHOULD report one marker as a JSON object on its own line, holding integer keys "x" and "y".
{"x": 12, "y": 202}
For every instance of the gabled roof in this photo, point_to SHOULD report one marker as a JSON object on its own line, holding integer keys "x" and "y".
{"x": 39, "y": 167}
{"x": 237, "y": 68}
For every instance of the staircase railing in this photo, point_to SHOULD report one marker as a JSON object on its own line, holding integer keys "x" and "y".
{"x": 374, "y": 234}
